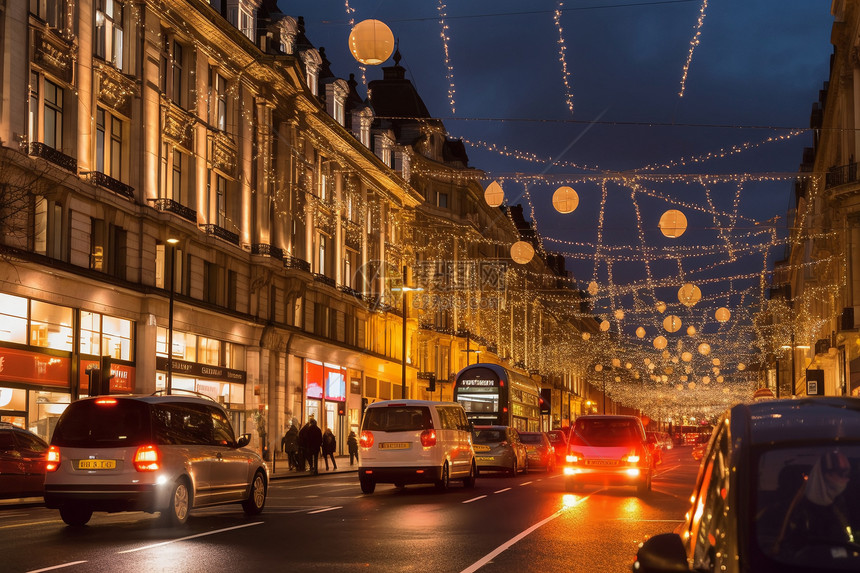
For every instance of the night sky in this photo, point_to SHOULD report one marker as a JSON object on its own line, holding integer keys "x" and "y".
{"x": 753, "y": 76}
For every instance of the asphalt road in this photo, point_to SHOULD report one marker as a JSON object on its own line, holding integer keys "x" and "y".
{"x": 325, "y": 523}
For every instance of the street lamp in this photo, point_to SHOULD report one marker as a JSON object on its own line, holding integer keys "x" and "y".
{"x": 172, "y": 242}
{"x": 793, "y": 347}
{"x": 404, "y": 289}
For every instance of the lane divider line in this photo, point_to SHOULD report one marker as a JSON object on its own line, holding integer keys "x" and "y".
{"x": 325, "y": 509}
{"x": 502, "y": 490}
{"x": 163, "y": 543}
{"x": 69, "y": 564}
{"x": 474, "y": 499}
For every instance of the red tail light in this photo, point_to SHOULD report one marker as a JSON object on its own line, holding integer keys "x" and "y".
{"x": 428, "y": 438}
{"x": 366, "y": 439}
{"x": 52, "y": 459}
{"x": 147, "y": 459}
{"x": 106, "y": 401}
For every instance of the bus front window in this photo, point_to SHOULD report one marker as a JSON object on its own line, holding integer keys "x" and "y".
{"x": 479, "y": 403}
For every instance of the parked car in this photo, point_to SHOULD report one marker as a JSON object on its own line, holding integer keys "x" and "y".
{"x": 159, "y": 453}
{"x": 415, "y": 441}
{"x": 608, "y": 450}
{"x": 22, "y": 462}
{"x": 499, "y": 448}
{"x": 699, "y": 447}
{"x": 558, "y": 439}
{"x": 778, "y": 489}
{"x": 656, "y": 448}
{"x": 541, "y": 453}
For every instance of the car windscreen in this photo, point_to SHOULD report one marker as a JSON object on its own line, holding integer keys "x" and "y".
{"x": 555, "y": 437}
{"x": 605, "y": 433}
{"x": 531, "y": 438}
{"x": 103, "y": 424}
{"x": 398, "y": 419}
{"x": 489, "y": 436}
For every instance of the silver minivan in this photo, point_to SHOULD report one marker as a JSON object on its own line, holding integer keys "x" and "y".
{"x": 159, "y": 453}
{"x": 415, "y": 441}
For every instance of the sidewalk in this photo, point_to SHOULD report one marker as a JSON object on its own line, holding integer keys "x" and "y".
{"x": 279, "y": 468}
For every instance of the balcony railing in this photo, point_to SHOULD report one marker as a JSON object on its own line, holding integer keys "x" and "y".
{"x": 39, "y": 149}
{"x": 296, "y": 263}
{"x": 351, "y": 291}
{"x": 267, "y": 251}
{"x": 841, "y": 175}
{"x": 222, "y": 233}
{"x": 171, "y": 206}
{"x": 108, "y": 182}
{"x": 321, "y": 278}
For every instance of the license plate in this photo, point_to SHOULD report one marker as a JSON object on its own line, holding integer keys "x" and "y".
{"x": 601, "y": 462}
{"x": 96, "y": 464}
{"x": 395, "y": 446}
{"x": 485, "y": 458}
{"x": 482, "y": 448}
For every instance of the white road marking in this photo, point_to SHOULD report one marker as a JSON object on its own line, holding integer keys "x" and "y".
{"x": 525, "y": 483}
{"x": 475, "y": 499}
{"x": 69, "y": 564}
{"x": 153, "y": 546}
{"x": 325, "y": 509}
{"x": 501, "y": 490}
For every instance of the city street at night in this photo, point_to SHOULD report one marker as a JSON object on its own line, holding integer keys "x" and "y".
{"x": 325, "y": 523}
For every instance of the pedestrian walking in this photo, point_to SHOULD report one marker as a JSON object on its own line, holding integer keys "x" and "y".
{"x": 352, "y": 444}
{"x": 329, "y": 447}
{"x": 290, "y": 446}
{"x": 310, "y": 440}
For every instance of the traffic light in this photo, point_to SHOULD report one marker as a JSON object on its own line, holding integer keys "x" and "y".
{"x": 341, "y": 408}
{"x": 105, "y": 375}
{"x": 431, "y": 383}
{"x": 545, "y": 400}
{"x": 95, "y": 381}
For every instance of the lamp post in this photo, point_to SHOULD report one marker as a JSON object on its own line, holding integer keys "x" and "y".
{"x": 404, "y": 289}
{"x": 169, "y": 386}
{"x": 793, "y": 347}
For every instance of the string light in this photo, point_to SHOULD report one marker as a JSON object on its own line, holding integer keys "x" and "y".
{"x": 565, "y": 74}
{"x": 693, "y": 44}
{"x": 449, "y": 68}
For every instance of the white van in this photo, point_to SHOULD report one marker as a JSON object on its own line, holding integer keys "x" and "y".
{"x": 415, "y": 441}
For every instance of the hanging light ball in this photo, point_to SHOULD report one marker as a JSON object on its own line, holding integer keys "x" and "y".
{"x": 628, "y": 365}
{"x": 691, "y": 385}
{"x": 618, "y": 378}
{"x": 616, "y": 363}
{"x": 720, "y": 379}
{"x": 604, "y": 326}
{"x": 691, "y": 331}
{"x": 679, "y": 387}
{"x": 686, "y": 356}
{"x": 640, "y": 332}
{"x": 665, "y": 354}
{"x": 706, "y": 379}
{"x": 723, "y": 314}
{"x": 689, "y": 294}
{"x": 742, "y": 366}
{"x": 672, "y": 323}
{"x": 673, "y": 223}
{"x": 565, "y": 200}
{"x": 647, "y": 361}
{"x": 715, "y": 361}
{"x": 592, "y": 288}
{"x": 494, "y": 195}
{"x": 660, "y": 306}
{"x": 586, "y": 335}
{"x": 684, "y": 378}
{"x": 704, "y": 349}
{"x": 522, "y": 252}
{"x": 660, "y": 342}
{"x": 371, "y": 42}
{"x": 598, "y": 367}
{"x": 664, "y": 378}
{"x": 619, "y": 314}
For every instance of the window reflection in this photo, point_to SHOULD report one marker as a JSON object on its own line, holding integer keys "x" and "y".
{"x": 13, "y": 319}
{"x": 50, "y": 326}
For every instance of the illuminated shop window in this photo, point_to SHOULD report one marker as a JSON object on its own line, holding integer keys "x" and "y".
{"x": 106, "y": 336}
{"x": 234, "y": 356}
{"x": 209, "y": 351}
{"x": 50, "y": 326}
{"x": 13, "y": 319}
{"x": 184, "y": 344}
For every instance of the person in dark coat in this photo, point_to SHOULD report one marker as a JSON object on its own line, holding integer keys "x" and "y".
{"x": 352, "y": 444}
{"x": 310, "y": 440}
{"x": 329, "y": 447}
{"x": 290, "y": 446}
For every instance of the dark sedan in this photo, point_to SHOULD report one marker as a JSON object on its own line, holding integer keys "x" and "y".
{"x": 540, "y": 451}
{"x": 778, "y": 490}
{"x": 22, "y": 462}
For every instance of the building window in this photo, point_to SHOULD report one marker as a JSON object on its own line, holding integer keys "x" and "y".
{"x": 13, "y": 319}
{"x": 50, "y": 326}
{"x": 173, "y": 70}
{"x": 51, "y": 11}
{"x": 109, "y": 31}
{"x": 208, "y": 351}
{"x": 175, "y": 173}
{"x": 46, "y": 111}
{"x": 109, "y": 144}
{"x": 442, "y": 200}
{"x": 221, "y": 200}
{"x": 220, "y": 118}
{"x": 108, "y": 248}
{"x": 105, "y": 336}
{"x": 48, "y": 228}
{"x": 232, "y": 289}
{"x": 212, "y": 282}
{"x": 321, "y": 254}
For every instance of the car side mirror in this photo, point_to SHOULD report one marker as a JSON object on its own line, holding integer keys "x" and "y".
{"x": 662, "y": 553}
{"x": 243, "y": 441}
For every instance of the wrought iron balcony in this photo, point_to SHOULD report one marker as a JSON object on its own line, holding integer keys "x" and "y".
{"x": 841, "y": 175}
{"x": 267, "y": 251}
{"x": 39, "y": 149}
{"x": 351, "y": 291}
{"x": 321, "y": 278}
{"x": 222, "y": 233}
{"x": 108, "y": 182}
{"x": 171, "y": 206}
{"x": 296, "y": 263}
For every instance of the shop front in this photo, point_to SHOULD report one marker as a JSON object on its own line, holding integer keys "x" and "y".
{"x": 326, "y": 397}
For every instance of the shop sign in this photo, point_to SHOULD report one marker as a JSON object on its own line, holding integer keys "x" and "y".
{"x": 122, "y": 381}
{"x": 23, "y": 366}
{"x": 197, "y": 370}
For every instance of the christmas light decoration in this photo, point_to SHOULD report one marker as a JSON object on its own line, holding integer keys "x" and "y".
{"x": 371, "y": 42}
{"x": 693, "y": 44}
{"x": 673, "y": 223}
{"x": 565, "y": 200}
{"x": 494, "y": 195}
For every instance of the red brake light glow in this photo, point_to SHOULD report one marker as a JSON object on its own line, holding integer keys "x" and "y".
{"x": 106, "y": 401}
{"x": 147, "y": 459}
{"x": 52, "y": 459}
{"x": 366, "y": 439}
{"x": 428, "y": 438}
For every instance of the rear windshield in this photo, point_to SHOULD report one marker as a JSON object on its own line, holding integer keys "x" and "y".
{"x": 555, "y": 437}
{"x": 398, "y": 419}
{"x": 89, "y": 424}
{"x": 605, "y": 433}
{"x": 489, "y": 436}
{"x": 531, "y": 438}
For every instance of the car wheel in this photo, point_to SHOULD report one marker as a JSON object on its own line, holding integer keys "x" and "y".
{"x": 445, "y": 481}
{"x": 75, "y": 516}
{"x": 513, "y": 471}
{"x": 178, "y": 504}
{"x": 257, "y": 496}
{"x": 526, "y": 466}
{"x": 644, "y": 486}
{"x": 399, "y": 485}
{"x": 469, "y": 481}
{"x": 367, "y": 484}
